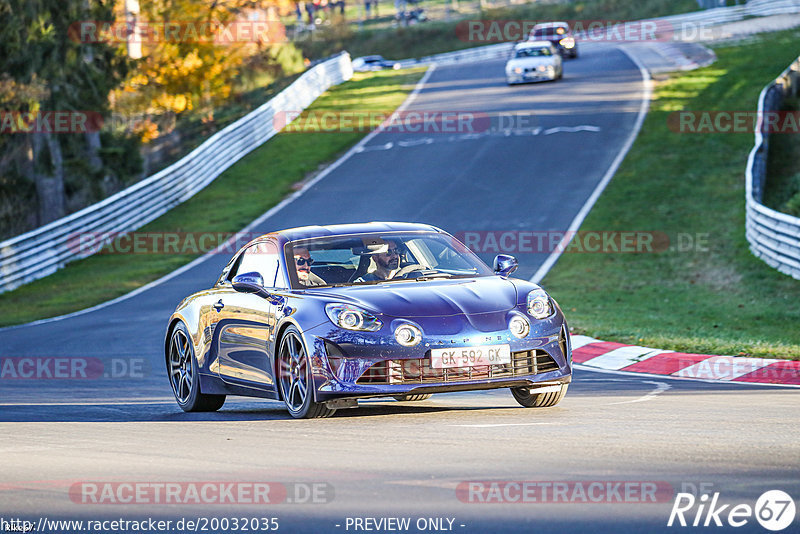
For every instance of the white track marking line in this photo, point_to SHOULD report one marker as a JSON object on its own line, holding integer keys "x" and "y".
{"x": 572, "y": 129}
{"x": 660, "y": 388}
{"x": 272, "y": 211}
{"x": 494, "y": 425}
{"x": 576, "y": 222}
{"x": 579, "y": 341}
{"x": 92, "y": 403}
{"x": 631, "y": 374}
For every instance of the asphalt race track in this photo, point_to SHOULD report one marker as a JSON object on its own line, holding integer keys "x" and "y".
{"x": 406, "y": 460}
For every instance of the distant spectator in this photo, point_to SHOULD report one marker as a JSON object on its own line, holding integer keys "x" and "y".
{"x": 310, "y": 13}
{"x": 368, "y": 5}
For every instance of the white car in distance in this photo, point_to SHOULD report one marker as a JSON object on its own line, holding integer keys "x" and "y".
{"x": 533, "y": 61}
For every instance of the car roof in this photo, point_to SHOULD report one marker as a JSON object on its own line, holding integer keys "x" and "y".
{"x": 308, "y": 232}
{"x": 532, "y": 44}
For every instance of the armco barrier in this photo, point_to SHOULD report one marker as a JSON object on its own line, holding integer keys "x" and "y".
{"x": 773, "y": 236}
{"x": 480, "y": 53}
{"x": 42, "y": 251}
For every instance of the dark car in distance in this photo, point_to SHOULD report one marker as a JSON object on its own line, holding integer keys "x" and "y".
{"x": 559, "y": 34}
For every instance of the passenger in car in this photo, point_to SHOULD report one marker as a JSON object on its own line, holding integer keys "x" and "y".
{"x": 302, "y": 264}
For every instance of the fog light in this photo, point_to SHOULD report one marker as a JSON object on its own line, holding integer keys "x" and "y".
{"x": 408, "y": 335}
{"x": 519, "y": 326}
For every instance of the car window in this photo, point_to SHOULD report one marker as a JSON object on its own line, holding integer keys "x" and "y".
{"x": 364, "y": 258}
{"x": 548, "y": 33}
{"x": 262, "y": 258}
{"x": 533, "y": 52}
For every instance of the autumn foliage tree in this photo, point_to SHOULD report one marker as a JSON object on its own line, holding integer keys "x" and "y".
{"x": 192, "y": 52}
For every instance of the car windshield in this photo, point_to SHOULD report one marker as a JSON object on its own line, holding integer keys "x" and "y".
{"x": 375, "y": 258}
{"x": 533, "y": 52}
{"x": 550, "y": 33}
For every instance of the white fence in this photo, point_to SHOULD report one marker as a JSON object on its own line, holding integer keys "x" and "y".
{"x": 43, "y": 251}
{"x": 773, "y": 236}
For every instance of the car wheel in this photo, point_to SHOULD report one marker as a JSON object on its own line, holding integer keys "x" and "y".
{"x": 412, "y": 398}
{"x": 294, "y": 374}
{"x": 530, "y": 399}
{"x": 184, "y": 374}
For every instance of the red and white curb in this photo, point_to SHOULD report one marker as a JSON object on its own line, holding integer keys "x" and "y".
{"x": 610, "y": 356}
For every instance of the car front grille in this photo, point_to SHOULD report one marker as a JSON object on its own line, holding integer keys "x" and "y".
{"x": 419, "y": 370}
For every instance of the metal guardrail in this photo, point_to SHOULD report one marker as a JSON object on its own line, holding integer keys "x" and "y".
{"x": 41, "y": 252}
{"x": 480, "y": 53}
{"x": 773, "y": 236}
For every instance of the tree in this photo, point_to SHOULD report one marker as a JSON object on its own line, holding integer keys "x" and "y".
{"x": 194, "y": 66}
{"x": 46, "y": 69}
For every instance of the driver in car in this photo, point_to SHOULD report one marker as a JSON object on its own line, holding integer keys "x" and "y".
{"x": 302, "y": 264}
{"x": 384, "y": 265}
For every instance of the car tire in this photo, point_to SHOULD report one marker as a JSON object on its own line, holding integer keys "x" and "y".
{"x": 412, "y": 398}
{"x": 530, "y": 399}
{"x": 184, "y": 376}
{"x": 295, "y": 378}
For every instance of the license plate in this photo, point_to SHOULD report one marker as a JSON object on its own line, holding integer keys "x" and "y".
{"x": 470, "y": 356}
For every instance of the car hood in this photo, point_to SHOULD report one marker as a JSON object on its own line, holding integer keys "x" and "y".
{"x": 431, "y": 298}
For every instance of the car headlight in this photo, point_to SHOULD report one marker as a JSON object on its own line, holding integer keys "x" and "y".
{"x": 519, "y": 326}
{"x": 539, "y": 305}
{"x": 518, "y": 70}
{"x": 542, "y": 68}
{"x": 567, "y": 42}
{"x": 408, "y": 335}
{"x": 352, "y": 318}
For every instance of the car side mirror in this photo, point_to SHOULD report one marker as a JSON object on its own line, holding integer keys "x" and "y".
{"x": 505, "y": 264}
{"x": 248, "y": 283}
{"x": 254, "y": 283}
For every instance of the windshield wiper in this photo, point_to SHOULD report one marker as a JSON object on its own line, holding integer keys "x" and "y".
{"x": 433, "y": 276}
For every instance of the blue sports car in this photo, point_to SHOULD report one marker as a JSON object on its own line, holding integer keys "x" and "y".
{"x": 322, "y": 316}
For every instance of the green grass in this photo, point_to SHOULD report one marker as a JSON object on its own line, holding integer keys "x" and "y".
{"x": 719, "y": 300}
{"x": 242, "y": 193}
{"x": 437, "y": 36}
{"x": 782, "y": 188}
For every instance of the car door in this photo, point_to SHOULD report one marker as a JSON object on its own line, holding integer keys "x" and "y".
{"x": 247, "y": 321}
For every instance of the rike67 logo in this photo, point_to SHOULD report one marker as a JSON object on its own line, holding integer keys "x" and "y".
{"x": 774, "y": 510}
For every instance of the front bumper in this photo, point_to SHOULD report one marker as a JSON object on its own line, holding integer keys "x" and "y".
{"x": 358, "y": 365}
{"x": 533, "y": 76}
